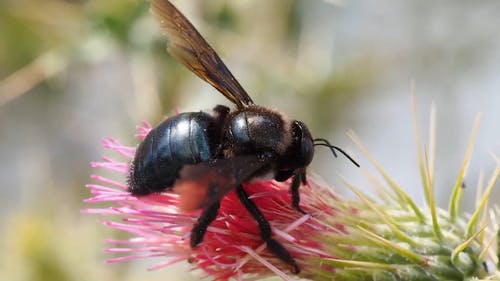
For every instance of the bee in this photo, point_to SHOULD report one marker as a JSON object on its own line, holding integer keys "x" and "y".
{"x": 203, "y": 156}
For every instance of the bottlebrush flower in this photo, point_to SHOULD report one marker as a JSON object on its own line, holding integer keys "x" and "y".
{"x": 389, "y": 238}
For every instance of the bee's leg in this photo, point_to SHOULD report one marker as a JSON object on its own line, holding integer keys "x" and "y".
{"x": 201, "y": 225}
{"x": 265, "y": 230}
{"x": 298, "y": 178}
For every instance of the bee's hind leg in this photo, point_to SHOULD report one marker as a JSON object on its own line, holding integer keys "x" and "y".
{"x": 265, "y": 230}
{"x": 200, "y": 227}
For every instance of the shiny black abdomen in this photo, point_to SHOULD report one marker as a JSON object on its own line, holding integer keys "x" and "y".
{"x": 186, "y": 138}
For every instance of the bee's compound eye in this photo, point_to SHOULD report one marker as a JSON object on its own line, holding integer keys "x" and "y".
{"x": 303, "y": 144}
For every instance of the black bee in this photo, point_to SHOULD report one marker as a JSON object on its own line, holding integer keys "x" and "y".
{"x": 204, "y": 156}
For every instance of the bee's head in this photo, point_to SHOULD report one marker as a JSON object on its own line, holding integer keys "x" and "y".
{"x": 301, "y": 150}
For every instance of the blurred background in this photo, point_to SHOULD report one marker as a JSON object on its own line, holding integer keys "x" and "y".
{"x": 73, "y": 72}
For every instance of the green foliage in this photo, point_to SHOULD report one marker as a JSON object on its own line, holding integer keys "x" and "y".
{"x": 116, "y": 17}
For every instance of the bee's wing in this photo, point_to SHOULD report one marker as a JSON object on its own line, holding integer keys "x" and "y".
{"x": 203, "y": 184}
{"x": 188, "y": 47}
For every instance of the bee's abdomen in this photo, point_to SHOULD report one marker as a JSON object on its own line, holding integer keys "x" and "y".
{"x": 184, "y": 139}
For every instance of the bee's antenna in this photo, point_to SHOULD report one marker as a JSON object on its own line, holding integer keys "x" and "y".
{"x": 324, "y": 142}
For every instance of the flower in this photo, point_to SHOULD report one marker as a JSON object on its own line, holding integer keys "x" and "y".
{"x": 337, "y": 239}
